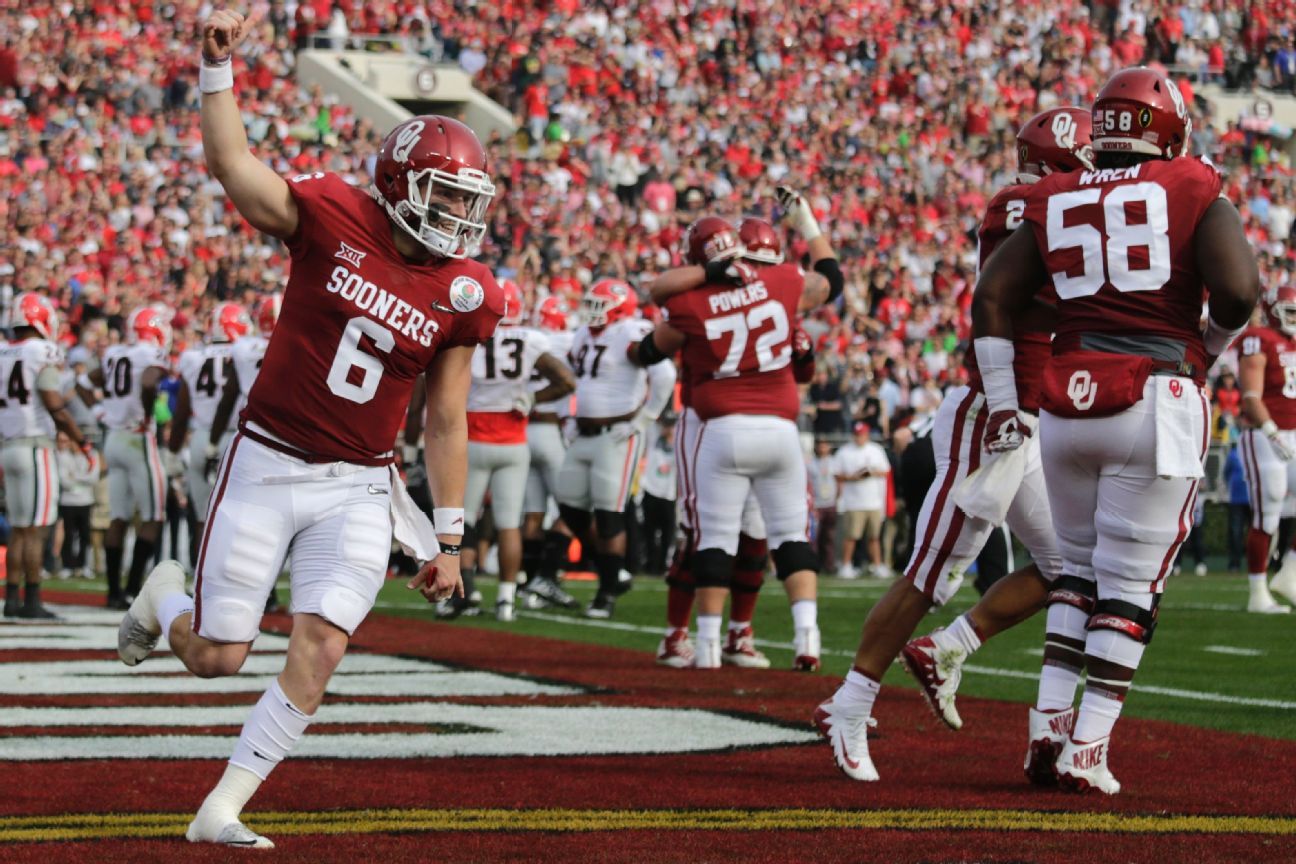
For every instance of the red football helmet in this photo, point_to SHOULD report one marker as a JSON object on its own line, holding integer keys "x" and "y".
{"x": 267, "y": 312}
{"x": 1139, "y": 110}
{"x": 1280, "y": 308}
{"x": 551, "y": 314}
{"x": 1058, "y": 140}
{"x": 229, "y": 322}
{"x": 711, "y": 239}
{"x": 760, "y": 241}
{"x": 514, "y": 303}
{"x": 149, "y": 324}
{"x": 431, "y": 156}
{"x": 608, "y": 301}
{"x": 35, "y": 311}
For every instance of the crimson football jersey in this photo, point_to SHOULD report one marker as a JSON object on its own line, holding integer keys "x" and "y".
{"x": 737, "y": 356}
{"x": 1118, "y": 244}
{"x": 359, "y": 323}
{"x": 1279, "y": 351}
{"x": 1004, "y": 215}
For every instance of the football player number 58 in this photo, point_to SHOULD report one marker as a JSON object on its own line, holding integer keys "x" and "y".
{"x": 1130, "y": 256}
{"x": 349, "y": 356}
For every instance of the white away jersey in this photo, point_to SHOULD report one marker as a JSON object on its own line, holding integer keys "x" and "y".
{"x": 247, "y": 355}
{"x": 560, "y": 342}
{"x": 502, "y": 368}
{"x": 22, "y": 414}
{"x": 205, "y": 369}
{"x": 607, "y": 383}
{"x": 123, "y": 370}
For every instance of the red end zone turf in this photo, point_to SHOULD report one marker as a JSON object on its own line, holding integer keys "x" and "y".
{"x": 944, "y": 796}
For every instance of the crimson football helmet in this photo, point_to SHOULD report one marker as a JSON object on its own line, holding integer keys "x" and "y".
{"x": 551, "y": 314}
{"x": 1139, "y": 110}
{"x": 229, "y": 322}
{"x": 35, "y": 311}
{"x": 760, "y": 241}
{"x": 711, "y": 239}
{"x": 1280, "y": 308}
{"x": 434, "y": 157}
{"x": 514, "y": 303}
{"x": 267, "y": 312}
{"x": 608, "y": 301}
{"x": 1058, "y": 140}
{"x": 149, "y": 324}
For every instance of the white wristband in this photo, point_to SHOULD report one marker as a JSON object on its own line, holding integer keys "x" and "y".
{"x": 994, "y": 356}
{"x": 448, "y": 520}
{"x": 83, "y": 381}
{"x": 1269, "y": 428}
{"x": 214, "y": 79}
{"x": 807, "y": 226}
{"x": 1217, "y": 339}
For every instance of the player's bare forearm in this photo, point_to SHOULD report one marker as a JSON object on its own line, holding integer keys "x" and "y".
{"x": 1007, "y": 285}
{"x": 560, "y": 378}
{"x": 180, "y": 420}
{"x": 819, "y": 248}
{"x": 815, "y": 292}
{"x": 224, "y": 409}
{"x": 63, "y": 422}
{"x": 257, "y": 192}
{"x": 1251, "y": 381}
{"x": 1227, "y": 265}
{"x": 445, "y": 434}
{"x": 676, "y": 281}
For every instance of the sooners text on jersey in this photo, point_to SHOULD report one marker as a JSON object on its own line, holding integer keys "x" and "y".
{"x": 1279, "y": 351}
{"x": 1003, "y": 216}
{"x": 358, "y": 324}
{"x": 738, "y": 351}
{"x": 1118, "y": 245}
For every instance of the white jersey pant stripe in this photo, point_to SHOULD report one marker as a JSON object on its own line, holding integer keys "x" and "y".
{"x": 1114, "y": 514}
{"x": 1271, "y": 482}
{"x": 30, "y": 482}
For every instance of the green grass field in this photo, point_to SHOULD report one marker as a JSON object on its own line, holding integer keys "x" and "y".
{"x": 1211, "y": 664}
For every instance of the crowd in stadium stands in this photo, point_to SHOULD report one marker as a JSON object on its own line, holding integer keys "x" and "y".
{"x": 896, "y": 118}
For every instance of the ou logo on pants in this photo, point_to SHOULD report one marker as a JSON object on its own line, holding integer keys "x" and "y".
{"x": 1082, "y": 390}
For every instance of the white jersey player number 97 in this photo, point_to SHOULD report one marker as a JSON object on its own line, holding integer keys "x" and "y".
{"x": 740, "y": 325}
{"x": 1120, "y": 236}
{"x": 349, "y": 356}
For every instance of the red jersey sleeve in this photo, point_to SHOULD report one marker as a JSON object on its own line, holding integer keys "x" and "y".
{"x": 478, "y": 325}
{"x": 315, "y": 194}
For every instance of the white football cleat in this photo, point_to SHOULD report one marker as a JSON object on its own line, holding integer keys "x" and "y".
{"x": 848, "y": 735}
{"x": 740, "y": 650}
{"x": 202, "y": 830}
{"x": 1083, "y": 767}
{"x": 1262, "y": 602}
{"x": 676, "y": 650}
{"x": 139, "y": 631}
{"x": 1049, "y": 731}
{"x": 1285, "y": 581}
{"x": 504, "y": 611}
{"x": 806, "y": 649}
{"x": 938, "y": 672}
{"x": 707, "y": 653}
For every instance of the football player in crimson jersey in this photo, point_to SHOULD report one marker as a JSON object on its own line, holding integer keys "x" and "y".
{"x": 380, "y": 292}
{"x": 760, "y": 246}
{"x": 1267, "y": 374}
{"x": 31, "y": 414}
{"x": 1129, "y": 248}
{"x": 736, "y": 344}
{"x": 203, "y": 373}
{"x": 950, "y": 537}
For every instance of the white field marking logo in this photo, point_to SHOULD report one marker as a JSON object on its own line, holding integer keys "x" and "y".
{"x": 1082, "y": 390}
{"x": 426, "y": 695}
{"x": 405, "y": 141}
{"x": 350, "y": 254}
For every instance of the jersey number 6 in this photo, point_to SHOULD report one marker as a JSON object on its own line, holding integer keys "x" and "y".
{"x": 349, "y": 356}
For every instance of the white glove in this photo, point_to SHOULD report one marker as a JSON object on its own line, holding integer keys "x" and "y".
{"x": 524, "y": 402}
{"x": 797, "y": 213}
{"x": 1280, "y": 447}
{"x": 172, "y": 464}
{"x": 409, "y": 454}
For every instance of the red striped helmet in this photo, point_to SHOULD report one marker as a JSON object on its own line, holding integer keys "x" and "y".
{"x": 35, "y": 311}
{"x": 229, "y": 322}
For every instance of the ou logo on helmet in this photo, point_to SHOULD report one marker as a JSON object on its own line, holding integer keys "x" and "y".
{"x": 1064, "y": 131}
{"x": 1181, "y": 110}
{"x": 405, "y": 141}
{"x": 1082, "y": 390}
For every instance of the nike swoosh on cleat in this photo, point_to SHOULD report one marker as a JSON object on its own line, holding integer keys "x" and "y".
{"x": 248, "y": 843}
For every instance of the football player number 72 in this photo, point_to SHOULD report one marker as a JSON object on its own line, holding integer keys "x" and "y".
{"x": 1130, "y": 256}
{"x": 349, "y": 356}
{"x": 740, "y": 325}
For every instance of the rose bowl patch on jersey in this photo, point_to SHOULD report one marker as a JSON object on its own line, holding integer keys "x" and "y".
{"x": 466, "y": 293}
